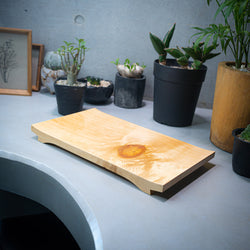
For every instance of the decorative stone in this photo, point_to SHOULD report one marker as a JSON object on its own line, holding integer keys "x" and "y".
{"x": 48, "y": 77}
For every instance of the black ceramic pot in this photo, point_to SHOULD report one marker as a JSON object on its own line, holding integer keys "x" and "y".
{"x": 129, "y": 92}
{"x": 176, "y": 92}
{"x": 241, "y": 154}
{"x": 96, "y": 94}
{"x": 69, "y": 98}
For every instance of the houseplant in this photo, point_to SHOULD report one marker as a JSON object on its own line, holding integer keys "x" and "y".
{"x": 241, "y": 151}
{"x": 178, "y": 81}
{"x": 129, "y": 84}
{"x": 98, "y": 90}
{"x": 51, "y": 70}
{"x": 69, "y": 91}
{"x": 231, "y": 107}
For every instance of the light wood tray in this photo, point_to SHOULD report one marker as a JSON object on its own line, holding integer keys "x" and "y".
{"x": 150, "y": 160}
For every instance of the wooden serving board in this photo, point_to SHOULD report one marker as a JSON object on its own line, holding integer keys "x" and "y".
{"x": 150, "y": 160}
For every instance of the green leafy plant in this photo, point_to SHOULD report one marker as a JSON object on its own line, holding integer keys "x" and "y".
{"x": 72, "y": 57}
{"x": 245, "y": 134}
{"x": 128, "y": 64}
{"x": 160, "y": 45}
{"x": 128, "y": 69}
{"x": 199, "y": 53}
{"x": 236, "y": 35}
{"x": 93, "y": 80}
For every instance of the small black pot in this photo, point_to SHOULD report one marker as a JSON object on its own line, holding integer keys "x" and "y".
{"x": 69, "y": 98}
{"x": 129, "y": 91}
{"x": 176, "y": 92}
{"x": 241, "y": 154}
{"x": 98, "y": 95}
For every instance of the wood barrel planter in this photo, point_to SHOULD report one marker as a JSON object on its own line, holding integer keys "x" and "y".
{"x": 231, "y": 107}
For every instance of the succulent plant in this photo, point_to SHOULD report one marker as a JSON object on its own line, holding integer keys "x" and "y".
{"x": 128, "y": 69}
{"x": 245, "y": 134}
{"x": 160, "y": 45}
{"x": 52, "y": 60}
{"x": 72, "y": 57}
{"x": 93, "y": 80}
{"x": 199, "y": 53}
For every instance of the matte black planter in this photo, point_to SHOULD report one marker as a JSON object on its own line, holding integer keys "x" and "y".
{"x": 69, "y": 98}
{"x": 129, "y": 92}
{"x": 176, "y": 92}
{"x": 241, "y": 154}
{"x": 98, "y": 95}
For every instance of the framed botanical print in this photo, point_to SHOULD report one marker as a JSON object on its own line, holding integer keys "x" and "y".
{"x": 15, "y": 61}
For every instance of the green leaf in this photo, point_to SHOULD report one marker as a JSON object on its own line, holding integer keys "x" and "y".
{"x": 211, "y": 55}
{"x": 190, "y": 52}
{"x": 196, "y": 64}
{"x": 167, "y": 38}
{"x": 176, "y": 53}
{"x": 127, "y": 61}
{"x": 183, "y": 61}
{"x": 157, "y": 44}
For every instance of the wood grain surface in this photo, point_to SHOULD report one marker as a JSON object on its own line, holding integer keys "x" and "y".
{"x": 150, "y": 160}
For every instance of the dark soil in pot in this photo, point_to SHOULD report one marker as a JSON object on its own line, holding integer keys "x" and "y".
{"x": 69, "y": 99}
{"x": 176, "y": 92}
{"x": 129, "y": 92}
{"x": 241, "y": 154}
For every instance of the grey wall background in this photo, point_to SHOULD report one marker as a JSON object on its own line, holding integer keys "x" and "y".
{"x": 114, "y": 28}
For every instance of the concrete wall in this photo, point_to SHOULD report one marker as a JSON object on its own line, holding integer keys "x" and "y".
{"x": 112, "y": 29}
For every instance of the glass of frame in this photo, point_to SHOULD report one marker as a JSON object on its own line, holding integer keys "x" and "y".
{"x": 37, "y": 61}
{"x": 15, "y": 61}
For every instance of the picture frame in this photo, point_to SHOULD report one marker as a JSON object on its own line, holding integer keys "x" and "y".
{"x": 37, "y": 61}
{"x": 15, "y": 61}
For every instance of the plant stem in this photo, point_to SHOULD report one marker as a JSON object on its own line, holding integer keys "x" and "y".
{"x": 71, "y": 78}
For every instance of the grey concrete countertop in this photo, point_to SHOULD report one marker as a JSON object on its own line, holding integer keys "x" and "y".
{"x": 210, "y": 209}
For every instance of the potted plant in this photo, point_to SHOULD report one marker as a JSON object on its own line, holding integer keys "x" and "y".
{"x": 241, "y": 151}
{"x": 51, "y": 70}
{"x": 178, "y": 81}
{"x": 98, "y": 90}
{"x": 129, "y": 84}
{"x": 232, "y": 92}
{"x": 70, "y": 91}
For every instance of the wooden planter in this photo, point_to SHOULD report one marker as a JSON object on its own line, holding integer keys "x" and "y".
{"x": 231, "y": 107}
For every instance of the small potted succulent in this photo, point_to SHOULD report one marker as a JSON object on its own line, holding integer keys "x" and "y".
{"x": 241, "y": 151}
{"x": 178, "y": 81}
{"x": 51, "y": 70}
{"x": 70, "y": 91}
{"x": 98, "y": 91}
{"x": 129, "y": 84}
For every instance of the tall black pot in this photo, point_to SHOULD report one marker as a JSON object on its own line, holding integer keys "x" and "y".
{"x": 176, "y": 92}
{"x": 69, "y": 99}
{"x": 129, "y": 92}
{"x": 241, "y": 154}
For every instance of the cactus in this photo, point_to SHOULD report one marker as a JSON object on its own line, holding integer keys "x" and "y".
{"x": 160, "y": 45}
{"x": 245, "y": 134}
{"x": 199, "y": 53}
{"x": 52, "y": 61}
{"x": 72, "y": 57}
